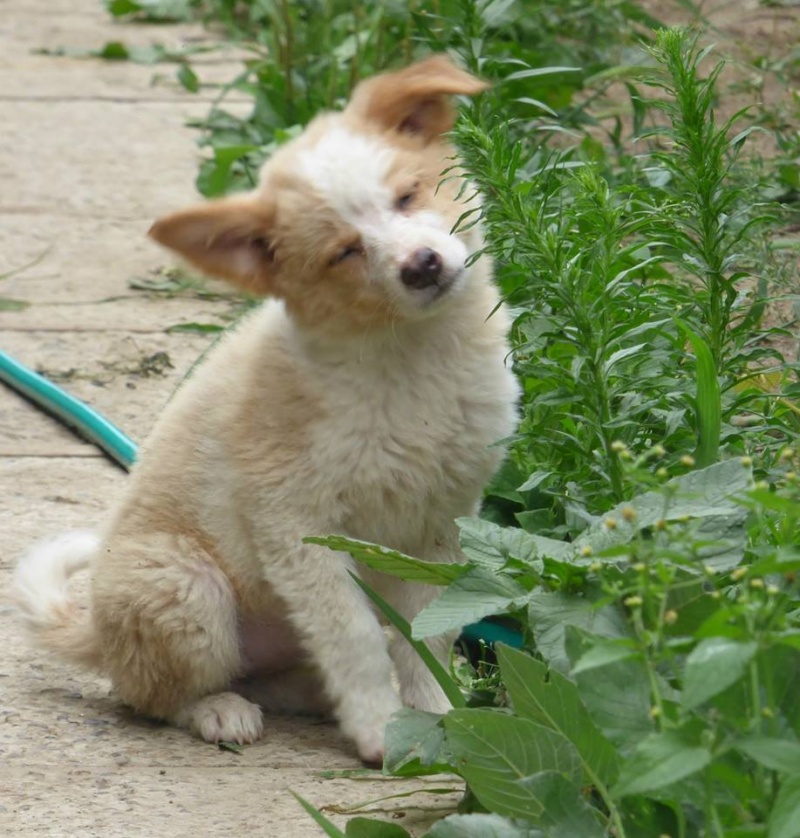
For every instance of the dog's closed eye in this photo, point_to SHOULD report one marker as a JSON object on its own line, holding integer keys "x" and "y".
{"x": 354, "y": 248}
{"x": 406, "y": 199}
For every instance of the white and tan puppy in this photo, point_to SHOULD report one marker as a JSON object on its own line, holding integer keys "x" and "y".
{"x": 362, "y": 399}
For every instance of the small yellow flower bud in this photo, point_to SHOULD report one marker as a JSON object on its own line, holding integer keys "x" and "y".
{"x": 618, "y": 446}
{"x": 655, "y": 712}
{"x": 739, "y": 573}
{"x": 662, "y": 472}
{"x": 610, "y": 523}
{"x": 661, "y": 525}
{"x": 639, "y": 567}
{"x": 767, "y": 712}
{"x": 746, "y": 461}
{"x": 762, "y": 484}
{"x": 633, "y": 601}
{"x": 671, "y": 617}
{"x": 586, "y": 551}
{"x": 715, "y": 595}
{"x": 628, "y": 513}
{"x": 773, "y": 590}
{"x": 687, "y": 460}
{"x": 756, "y": 583}
{"x": 659, "y": 450}
{"x": 787, "y": 454}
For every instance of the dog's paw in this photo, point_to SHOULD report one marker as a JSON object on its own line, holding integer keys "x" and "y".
{"x": 225, "y": 717}
{"x": 370, "y": 745}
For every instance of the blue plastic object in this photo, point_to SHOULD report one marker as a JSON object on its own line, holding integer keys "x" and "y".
{"x": 71, "y": 411}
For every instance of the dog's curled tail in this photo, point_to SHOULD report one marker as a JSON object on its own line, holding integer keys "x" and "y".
{"x": 41, "y": 593}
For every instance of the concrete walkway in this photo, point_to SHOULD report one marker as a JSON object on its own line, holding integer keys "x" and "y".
{"x": 90, "y": 153}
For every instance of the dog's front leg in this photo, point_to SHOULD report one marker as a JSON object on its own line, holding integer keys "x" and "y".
{"x": 418, "y": 688}
{"x": 342, "y": 635}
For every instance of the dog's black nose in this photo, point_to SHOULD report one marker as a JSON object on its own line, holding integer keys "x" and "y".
{"x": 422, "y": 268}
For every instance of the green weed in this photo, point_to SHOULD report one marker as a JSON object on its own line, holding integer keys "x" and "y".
{"x": 643, "y": 537}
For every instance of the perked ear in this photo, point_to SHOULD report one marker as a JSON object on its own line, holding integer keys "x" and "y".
{"x": 228, "y": 238}
{"x": 415, "y": 100}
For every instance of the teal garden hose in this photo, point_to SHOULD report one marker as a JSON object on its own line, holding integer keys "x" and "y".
{"x": 69, "y": 410}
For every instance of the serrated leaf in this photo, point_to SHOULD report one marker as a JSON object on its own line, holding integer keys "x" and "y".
{"x": 489, "y": 545}
{"x": 480, "y": 826}
{"x": 547, "y": 697}
{"x": 714, "y": 665}
{"x": 784, "y": 819}
{"x": 414, "y": 742}
{"x": 706, "y": 494}
{"x": 392, "y": 561}
{"x": 659, "y": 761}
{"x": 619, "y": 701}
{"x": 550, "y": 613}
{"x": 499, "y": 755}
{"x": 473, "y": 596}
{"x": 604, "y": 653}
{"x": 776, "y": 754}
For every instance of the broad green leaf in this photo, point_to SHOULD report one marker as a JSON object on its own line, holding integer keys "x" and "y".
{"x": 331, "y": 830}
{"x": 391, "y": 561}
{"x": 776, "y": 754}
{"x": 705, "y": 494}
{"x": 473, "y": 596}
{"x": 550, "y": 613}
{"x": 442, "y": 676}
{"x": 490, "y": 546}
{"x": 566, "y": 813}
{"x": 414, "y": 742}
{"x": 660, "y": 760}
{"x": 497, "y": 754}
{"x": 618, "y": 699}
{"x": 551, "y": 699}
{"x": 784, "y": 819}
{"x": 604, "y": 653}
{"x": 368, "y": 828}
{"x": 480, "y": 826}
{"x": 712, "y": 666}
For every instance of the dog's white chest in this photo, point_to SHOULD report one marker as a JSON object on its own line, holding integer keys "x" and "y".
{"x": 401, "y": 447}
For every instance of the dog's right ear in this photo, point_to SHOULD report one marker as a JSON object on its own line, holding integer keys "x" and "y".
{"x": 416, "y": 100}
{"x": 227, "y": 238}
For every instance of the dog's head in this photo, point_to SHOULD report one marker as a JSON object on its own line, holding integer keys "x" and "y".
{"x": 351, "y": 223}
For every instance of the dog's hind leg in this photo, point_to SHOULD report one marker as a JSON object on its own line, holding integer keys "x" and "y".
{"x": 167, "y": 618}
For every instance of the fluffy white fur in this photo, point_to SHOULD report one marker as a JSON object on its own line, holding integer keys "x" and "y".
{"x": 364, "y": 399}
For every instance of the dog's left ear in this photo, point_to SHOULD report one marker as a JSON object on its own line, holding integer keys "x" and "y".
{"x": 416, "y": 100}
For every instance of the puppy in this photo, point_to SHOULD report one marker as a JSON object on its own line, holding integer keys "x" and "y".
{"x": 362, "y": 398}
